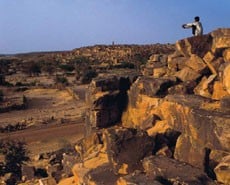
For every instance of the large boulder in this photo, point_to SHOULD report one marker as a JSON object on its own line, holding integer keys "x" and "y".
{"x": 221, "y": 40}
{"x": 196, "y": 63}
{"x": 226, "y": 55}
{"x": 198, "y": 45}
{"x": 144, "y": 95}
{"x": 105, "y": 155}
{"x": 106, "y": 99}
{"x": 126, "y": 148}
{"x": 187, "y": 74}
{"x": 137, "y": 178}
{"x": 226, "y": 78}
{"x": 170, "y": 171}
{"x": 202, "y": 123}
{"x": 223, "y": 170}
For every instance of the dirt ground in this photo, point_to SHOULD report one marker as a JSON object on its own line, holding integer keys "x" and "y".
{"x": 55, "y": 119}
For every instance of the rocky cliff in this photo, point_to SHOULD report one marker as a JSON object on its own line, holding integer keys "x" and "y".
{"x": 172, "y": 123}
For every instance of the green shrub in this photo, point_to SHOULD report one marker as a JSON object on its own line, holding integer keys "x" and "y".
{"x": 88, "y": 76}
{"x": 67, "y": 67}
{"x": 61, "y": 79}
{"x": 15, "y": 154}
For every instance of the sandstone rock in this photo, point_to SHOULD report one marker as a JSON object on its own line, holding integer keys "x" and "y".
{"x": 137, "y": 178}
{"x": 47, "y": 181}
{"x": 152, "y": 87}
{"x": 215, "y": 158}
{"x": 225, "y": 103}
{"x": 223, "y": 170}
{"x": 159, "y": 127}
{"x": 187, "y": 127}
{"x": 159, "y": 72}
{"x": 27, "y": 172}
{"x": 143, "y": 97}
{"x": 101, "y": 175}
{"x": 208, "y": 58}
{"x": 219, "y": 43}
{"x": 226, "y": 78}
{"x": 139, "y": 111}
{"x": 149, "y": 122}
{"x": 217, "y": 63}
{"x": 199, "y": 123}
{"x": 176, "y": 64}
{"x": 221, "y": 40}
{"x": 148, "y": 71}
{"x": 187, "y": 74}
{"x": 68, "y": 181}
{"x": 89, "y": 145}
{"x": 55, "y": 171}
{"x": 126, "y": 148}
{"x": 196, "y": 63}
{"x": 155, "y": 58}
{"x": 226, "y": 55}
{"x": 189, "y": 151}
{"x": 218, "y": 91}
{"x": 155, "y": 64}
{"x": 107, "y": 98}
{"x": 82, "y": 170}
{"x": 120, "y": 148}
{"x": 172, "y": 171}
{"x": 203, "y": 88}
{"x": 68, "y": 162}
{"x": 220, "y": 32}
{"x": 183, "y": 88}
{"x": 194, "y": 45}
{"x": 165, "y": 151}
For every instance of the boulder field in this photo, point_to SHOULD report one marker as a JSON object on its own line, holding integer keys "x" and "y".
{"x": 169, "y": 125}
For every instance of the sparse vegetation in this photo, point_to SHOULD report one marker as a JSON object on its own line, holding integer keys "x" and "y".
{"x": 11, "y": 128}
{"x": 67, "y": 67}
{"x": 48, "y": 66}
{"x": 88, "y": 76}
{"x": 15, "y": 154}
{"x": 32, "y": 68}
{"x": 127, "y": 65}
{"x": 61, "y": 80}
{"x": 25, "y": 84}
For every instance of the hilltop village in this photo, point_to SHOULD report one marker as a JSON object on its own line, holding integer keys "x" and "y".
{"x": 119, "y": 114}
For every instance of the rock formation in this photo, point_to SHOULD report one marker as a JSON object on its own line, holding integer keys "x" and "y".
{"x": 173, "y": 121}
{"x": 166, "y": 122}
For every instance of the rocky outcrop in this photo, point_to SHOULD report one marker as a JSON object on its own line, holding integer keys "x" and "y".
{"x": 169, "y": 170}
{"x": 199, "y": 72}
{"x": 107, "y": 99}
{"x": 222, "y": 170}
{"x": 174, "y": 119}
{"x": 111, "y": 153}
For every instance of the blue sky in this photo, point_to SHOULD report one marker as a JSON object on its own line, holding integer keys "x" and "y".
{"x": 49, "y": 25}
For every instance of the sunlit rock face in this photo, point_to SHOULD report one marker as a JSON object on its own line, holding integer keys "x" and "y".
{"x": 109, "y": 154}
{"x": 174, "y": 119}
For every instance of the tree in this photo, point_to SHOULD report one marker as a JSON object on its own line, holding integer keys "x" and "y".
{"x": 15, "y": 154}
{"x": 32, "y": 68}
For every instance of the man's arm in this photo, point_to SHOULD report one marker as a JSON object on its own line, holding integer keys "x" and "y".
{"x": 188, "y": 25}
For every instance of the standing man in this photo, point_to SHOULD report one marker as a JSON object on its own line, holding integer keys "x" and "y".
{"x": 196, "y": 26}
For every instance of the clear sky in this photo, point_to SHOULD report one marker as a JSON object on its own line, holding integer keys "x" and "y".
{"x": 49, "y": 25}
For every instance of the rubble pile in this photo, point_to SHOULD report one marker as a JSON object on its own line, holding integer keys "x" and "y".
{"x": 175, "y": 126}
